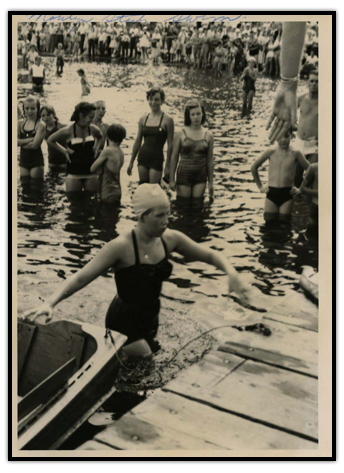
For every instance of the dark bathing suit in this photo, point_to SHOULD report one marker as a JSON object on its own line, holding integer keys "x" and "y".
{"x": 249, "y": 84}
{"x": 109, "y": 186}
{"x": 30, "y": 158}
{"x": 83, "y": 156}
{"x": 56, "y": 158}
{"x": 192, "y": 168}
{"x": 314, "y": 212}
{"x": 151, "y": 154}
{"x": 134, "y": 312}
{"x": 279, "y": 195}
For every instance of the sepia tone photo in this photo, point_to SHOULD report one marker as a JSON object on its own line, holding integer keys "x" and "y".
{"x": 169, "y": 228}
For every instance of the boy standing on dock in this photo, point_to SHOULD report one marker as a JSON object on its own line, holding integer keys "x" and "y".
{"x": 280, "y": 191}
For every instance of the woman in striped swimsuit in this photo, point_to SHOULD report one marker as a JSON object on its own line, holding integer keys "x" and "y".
{"x": 194, "y": 145}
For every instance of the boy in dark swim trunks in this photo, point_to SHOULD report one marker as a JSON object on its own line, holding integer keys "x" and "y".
{"x": 280, "y": 191}
{"x": 37, "y": 75}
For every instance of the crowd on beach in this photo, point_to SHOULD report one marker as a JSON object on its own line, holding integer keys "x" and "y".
{"x": 210, "y": 46}
{"x": 89, "y": 151}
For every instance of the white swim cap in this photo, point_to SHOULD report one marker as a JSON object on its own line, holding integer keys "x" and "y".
{"x": 147, "y": 197}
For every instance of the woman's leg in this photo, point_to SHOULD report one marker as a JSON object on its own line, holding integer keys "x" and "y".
{"x": 154, "y": 176}
{"x": 184, "y": 191}
{"x": 244, "y": 104}
{"x": 285, "y": 211}
{"x": 73, "y": 185}
{"x": 143, "y": 175}
{"x": 91, "y": 184}
{"x": 24, "y": 172}
{"x": 198, "y": 190}
{"x": 37, "y": 173}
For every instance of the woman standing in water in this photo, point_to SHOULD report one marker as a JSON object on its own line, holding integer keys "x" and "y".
{"x": 83, "y": 140}
{"x": 57, "y": 159}
{"x": 155, "y": 128}
{"x": 31, "y": 132}
{"x": 140, "y": 262}
{"x": 194, "y": 145}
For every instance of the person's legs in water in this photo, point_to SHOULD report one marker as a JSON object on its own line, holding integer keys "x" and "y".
{"x": 91, "y": 184}
{"x": 37, "y": 172}
{"x": 198, "y": 190}
{"x": 270, "y": 211}
{"x": 285, "y": 211}
{"x": 73, "y": 185}
{"x": 244, "y": 104}
{"x": 250, "y": 101}
{"x": 184, "y": 192}
{"x": 154, "y": 176}
{"x": 143, "y": 175}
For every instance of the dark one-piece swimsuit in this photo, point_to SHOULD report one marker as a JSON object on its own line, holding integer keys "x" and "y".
{"x": 83, "y": 156}
{"x": 30, "y": 158}
{"x": 151, "y": 154}
{"x": 55, "y": 157}
{"x": 279, "y": 195}
{"x": 192, "y": 167}
{"x": 134, "y": 312}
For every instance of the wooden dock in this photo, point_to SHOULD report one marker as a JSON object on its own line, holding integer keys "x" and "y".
{"x": 254, "y": 392}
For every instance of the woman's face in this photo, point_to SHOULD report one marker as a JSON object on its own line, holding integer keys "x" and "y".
{"x": 100, "y": 110}
{"x": 30, "y": 109}
{"x": 86, "y": 120}
{"x": 46, "y": 117}
{"x": 155, "y": 102}
{"x": 157, "y": 220}
{"x": 196, "y": 116}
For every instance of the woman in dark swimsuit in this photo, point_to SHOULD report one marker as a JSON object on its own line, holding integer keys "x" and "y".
{"x": 83, "y": 140}
{"x": 155, "y": 128}
{"x": 249, "y": 76}
{"x": 31, "y": 132}
{"x": 194, "y": 145}
{"x": 57, "y": 159}
{"x": 139, "y": 259}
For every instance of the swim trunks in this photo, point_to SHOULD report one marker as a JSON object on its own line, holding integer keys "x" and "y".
{"x": 30, "y": 158}
{"x": 279, "y": 195}
{"x": 192, "y": 167}
{"x": 135, "y": 310}
{"x": 306, "y": 147}
{"x": 151, "y": 154}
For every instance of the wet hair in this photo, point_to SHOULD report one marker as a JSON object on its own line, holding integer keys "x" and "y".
{"x": 156, "y": 90}
{"x": 81, "y": 71}
{"x": 83, "y": 108}
{"x": 116, "y": 133}
{"x": 31, "y": 99}
{"x": 189, "y": 106}
{"x": 50, "y": 111}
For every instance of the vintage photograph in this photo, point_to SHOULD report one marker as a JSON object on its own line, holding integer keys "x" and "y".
{"x": 167, "y": 198}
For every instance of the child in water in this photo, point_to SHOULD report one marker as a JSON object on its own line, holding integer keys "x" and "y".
{"x": 37, "y": 75}
{"x": 59, "y": 52}
{"x": 110, "y": 162}
{"x": 86, "y": 88}
{"x": 280, "y": 191}
{"x": 310, "y": 187}
{"x": 249, "y": 76}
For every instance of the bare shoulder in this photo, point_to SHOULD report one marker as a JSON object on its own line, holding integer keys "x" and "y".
{"x": 168, "y": 118}
{"x": 122, "y": 243}
{"x": 41, "y": 125}
{"x": 171, "y": 238}
{"x": 143, "y": 118}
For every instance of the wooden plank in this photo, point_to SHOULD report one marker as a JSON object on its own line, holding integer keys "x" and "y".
{"x": 284, "y": 340}
{"x": 75, "y": 348}
{"x": 265, "y": 356}
{"x": 214, "y": 426}
{"x": 25, "y": 336}
{"x": 132, "y": 433}
{"x": 95, "y": 446}
{"x": 262, "y": 393}
{"x": 41, "y": 393}
{"x": 296, "y": 310}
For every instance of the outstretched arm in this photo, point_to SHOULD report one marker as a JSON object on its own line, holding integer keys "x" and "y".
{"x": 98, "y": 163}
{"x": 106, "y": 258}
{"x": 170, "y": 137}
{"x": 196, "y": 252}
{"x": 136, "y": 148}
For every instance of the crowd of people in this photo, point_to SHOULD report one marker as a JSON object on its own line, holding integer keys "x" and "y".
{"x": 219, "y": 47}
{"x": 89, "y": 151}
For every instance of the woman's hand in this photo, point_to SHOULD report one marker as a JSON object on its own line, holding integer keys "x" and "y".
{"x": 283, "y": 115}
{"x": 264, "y": 189}
{"x": 235, "y": 285}
{"x": 130, "y": 169}
{"x": 211, "y": 191}
{"x": 172, "y": 185}
{"x": 44, "y": 309}
{"x": 295, "y": 192}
